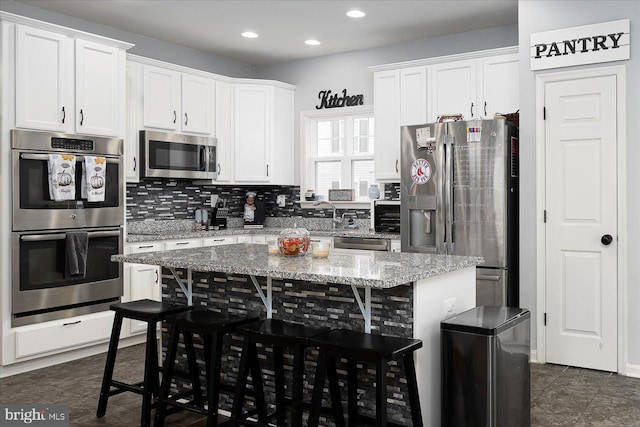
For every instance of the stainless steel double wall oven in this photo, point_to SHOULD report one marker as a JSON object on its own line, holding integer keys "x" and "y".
{"x": 42, "y": 289}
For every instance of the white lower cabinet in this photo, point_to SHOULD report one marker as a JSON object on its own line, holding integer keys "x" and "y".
{"x": 65, "y": 334}
{"x": 395, "y": 246}
{"x": 182, "y": 244}
{"x": 245, "y": 238}
{"x": 217, "y": 241}
{"x": 141, "y": 281}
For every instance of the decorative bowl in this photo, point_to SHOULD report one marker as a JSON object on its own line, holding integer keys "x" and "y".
{"x": 294, "y": 241}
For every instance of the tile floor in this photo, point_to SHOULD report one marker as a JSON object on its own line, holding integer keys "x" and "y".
{"x": 561, "y": 396}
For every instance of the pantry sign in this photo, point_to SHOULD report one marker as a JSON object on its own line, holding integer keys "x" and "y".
{"x": 588, "y": 44}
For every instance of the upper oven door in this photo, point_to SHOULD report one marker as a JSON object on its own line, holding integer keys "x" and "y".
{"x": 33, "y": 208}
{"x": 167, "y": 155}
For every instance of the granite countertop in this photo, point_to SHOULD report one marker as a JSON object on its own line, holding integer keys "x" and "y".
{"x": 348, "y": 267}
{"x": 168, "y": 234}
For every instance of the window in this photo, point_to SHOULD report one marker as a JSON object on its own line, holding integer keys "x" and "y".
{"x": 339, "y": 151}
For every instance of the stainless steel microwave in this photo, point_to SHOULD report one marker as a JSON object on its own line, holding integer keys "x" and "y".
{"x": 171, "y": 155}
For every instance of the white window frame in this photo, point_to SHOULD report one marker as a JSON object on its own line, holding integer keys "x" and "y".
{"x": 308, "y": 134}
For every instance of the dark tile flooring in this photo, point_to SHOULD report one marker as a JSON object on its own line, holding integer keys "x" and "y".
{"x": 560, "y": 396}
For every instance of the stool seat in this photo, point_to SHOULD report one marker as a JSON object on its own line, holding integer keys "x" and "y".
{"x": 151, "y": 312}
{"x": 147, "y": 310}
{"x": 363, "y": 346}
{"x": 283, "y": 332}
{"x": 207, "y": 321}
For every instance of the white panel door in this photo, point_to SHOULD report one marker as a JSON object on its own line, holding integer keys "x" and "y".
{"x": 252, "y": 115}
{"x": 97, "y": 89}
{"x": 160, "y": 89}
{"x": 386, "y": 114}
{"x": 44, "y": 80}
{"x": 500, "y": 88}
{"x": 581, "y": 204}
{"x": 144, "y": 282}
{"x": 197, "y": 104}
{"x": 453, "y": 89}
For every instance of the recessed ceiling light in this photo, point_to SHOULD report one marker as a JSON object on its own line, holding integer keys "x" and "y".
{"x": 312, "y": 42}
{"x": 249, "y": 35}
{"x": 355, "y": 14}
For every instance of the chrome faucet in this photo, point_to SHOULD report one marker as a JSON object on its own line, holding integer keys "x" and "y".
{"x": 335, "y": 219}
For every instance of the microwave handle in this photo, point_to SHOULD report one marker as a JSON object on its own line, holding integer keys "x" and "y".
{"x": 203, "y": 158}
{"x": 45, "y": 157}
{"x": 62, "y": 236}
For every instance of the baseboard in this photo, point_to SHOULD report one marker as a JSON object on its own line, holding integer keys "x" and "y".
{"x": 633, "y": 370}
{"x": 534, "y": 356}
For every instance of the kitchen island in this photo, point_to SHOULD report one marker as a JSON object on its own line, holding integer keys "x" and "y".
{"x": 404, "y": 294}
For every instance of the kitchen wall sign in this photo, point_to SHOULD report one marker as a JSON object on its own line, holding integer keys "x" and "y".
{"x": 587, "y": 44}
{"x": 328, "y": 100}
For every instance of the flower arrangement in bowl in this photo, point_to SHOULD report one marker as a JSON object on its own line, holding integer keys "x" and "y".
{"x": 294, "y": 241}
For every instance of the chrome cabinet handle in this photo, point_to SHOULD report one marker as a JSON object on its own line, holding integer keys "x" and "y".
{"x": 186, "y": 119}
{"x": 175, "y": 117}
{"x": 219, "y": 168}
{"x": 157, "y": 277}
{"x": 182, "y": 243}
{"x": 145, "y": 246}
{"x": 81, "y": 117}
{"x": 71, "y": 323}
{"x": 485, "y": 108}
{"x": 397, "y": 166}
{"x": 472, "y": 109}
{"x": 135, "y": 165}
{"x": 64, "y": 115}
{"x": 267, "y": 170}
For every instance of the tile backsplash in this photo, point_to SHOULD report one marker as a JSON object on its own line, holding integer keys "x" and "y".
{"x": 177, "y": 199}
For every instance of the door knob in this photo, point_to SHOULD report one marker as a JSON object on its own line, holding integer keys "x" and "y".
{"x": 606, "y": 239}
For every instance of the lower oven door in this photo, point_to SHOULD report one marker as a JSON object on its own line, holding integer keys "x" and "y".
{"x": 42, "y": 287}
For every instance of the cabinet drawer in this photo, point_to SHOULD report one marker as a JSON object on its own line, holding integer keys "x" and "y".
{"x": 139, "y": 248}
{"x": 181, "y": 244}
{"x": 217, "y": 241}
{"x": 63, "y": 334}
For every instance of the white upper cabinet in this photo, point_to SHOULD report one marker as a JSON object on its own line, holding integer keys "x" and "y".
{"x": 386, "y": 113}
{"x": 500, "y": 88}
{"x": 134, "y": 104}
{"x": 413, "y": 95}
{"x": 68, "y": 84}
{"x": 252, "y": 131}
{"x": 224, "y": 131}
{"x": 44, "y": 95}
{"x": 160, "y": 98}
{"x": 98, "y": 86}
{"x": 454, "y": 89}
{"x": 177, "y": 101}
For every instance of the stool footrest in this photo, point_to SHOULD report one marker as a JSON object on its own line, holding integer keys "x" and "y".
{"x": 122, "y": 387}
{"x": 186, "y": 405}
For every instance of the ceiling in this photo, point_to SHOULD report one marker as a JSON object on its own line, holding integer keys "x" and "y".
{"x": 214, "y": 26}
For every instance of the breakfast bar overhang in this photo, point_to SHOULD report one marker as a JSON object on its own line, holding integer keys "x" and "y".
{"x": 403, "y": 293}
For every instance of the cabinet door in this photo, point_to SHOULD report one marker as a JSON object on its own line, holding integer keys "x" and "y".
{"x": 197, "y": 104}
{"x": 134, "y": 103}
{"x": 44, "y": 80}
{"x": 252, "y": 115}
{"x": 160, "y": 98}
{"x": 144, "y": 282}
{"x": 453, "y": 90}
{"x": 281, "y": 143}
{"x": 500, "y": 87}
{"x": 386, "y": 104}
{"x": 413, "y": 96}
{"x": 224, "y": 124}
{"x": 97, "y": 89}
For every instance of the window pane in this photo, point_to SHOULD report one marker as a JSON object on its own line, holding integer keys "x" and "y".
{"x": 330, "y": 138}
{"x": 363, "y": 136}
{"x": 327, "y": 176}
{"x": 362, "y": 177}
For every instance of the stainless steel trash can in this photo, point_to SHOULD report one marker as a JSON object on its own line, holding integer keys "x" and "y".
{"x": 485, "y": 368}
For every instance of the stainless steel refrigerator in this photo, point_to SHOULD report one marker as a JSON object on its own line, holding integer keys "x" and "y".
{"x": 459, "y": 196}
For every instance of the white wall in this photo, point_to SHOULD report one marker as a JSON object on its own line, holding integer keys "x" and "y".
{"x": 349, "y": 70}
{"x": 536, "y": 16}
{"x": 144, "y": 46}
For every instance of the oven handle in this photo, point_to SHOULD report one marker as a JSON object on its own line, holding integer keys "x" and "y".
{"x": 32, "y": 156}
{"x": 62, "y": 236}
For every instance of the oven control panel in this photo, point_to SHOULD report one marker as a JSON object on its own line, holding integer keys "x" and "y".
{"x": 72, "y": 144}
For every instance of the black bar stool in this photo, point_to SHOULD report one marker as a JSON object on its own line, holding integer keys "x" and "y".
{"x": 280, "y": 335}
{"x": 359, "y": 346}
{"x": 151, "y": 312}
{"x": 212, "y": 326}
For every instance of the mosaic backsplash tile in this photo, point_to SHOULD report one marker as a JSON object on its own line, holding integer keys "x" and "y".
{"x": 178, "y": 199}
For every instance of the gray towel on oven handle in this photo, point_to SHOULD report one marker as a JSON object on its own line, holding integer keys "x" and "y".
{"x": 77, "y": 248}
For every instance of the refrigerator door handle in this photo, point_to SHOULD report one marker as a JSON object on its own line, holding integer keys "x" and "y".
{"x": 448, "y": 205}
